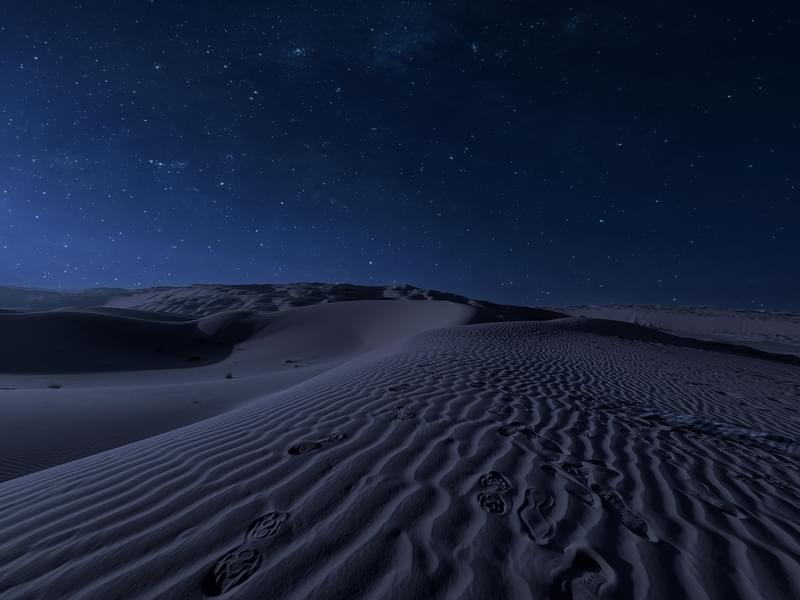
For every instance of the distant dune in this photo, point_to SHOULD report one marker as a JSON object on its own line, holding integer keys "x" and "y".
{"x": 17, "y": 298}
{"x": 770, "y": 331}
{"x": 200, "y": 300}
{"x": 203, "y": 300}
{"x": 329, "y": 441}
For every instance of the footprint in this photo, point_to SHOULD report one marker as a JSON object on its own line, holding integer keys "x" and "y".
{"x": 501, "y": 410}
{"x": 532, "y": 441}
{"x": 297, "y": 363}
{"x": 547, "y": 446}
{"x": 522, "y": 435}
{"x": 304, "y": 447}
{"x": 580, "y": 428}
{"x": 576, "y": 471}
{"x": 706, "y": 496}
{"x": 403, "y": 413}
{"x": 231, "y": 570}
{"x": 309, "y": 446}
{"x": 534, "y": 516}
{"x": 632, "y": 520}
{"x": 574, "y": 487}
{"x": 750, "y": 478}
{"x": 600, "y": 468}
{"x": 492, "y": 503}
{"x": 495, "y": 481}
{"x": 581, "y": 493}
{"x": 266, "y": 526}
{"x": 582, "y": 580}
{"x": 512, "y": 429}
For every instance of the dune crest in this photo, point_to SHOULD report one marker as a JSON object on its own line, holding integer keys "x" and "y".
{"x": 776, "y": 332}
{"x": 81, "y": 381}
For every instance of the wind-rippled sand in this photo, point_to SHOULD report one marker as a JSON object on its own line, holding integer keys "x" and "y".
{"x": 564, "y": 459}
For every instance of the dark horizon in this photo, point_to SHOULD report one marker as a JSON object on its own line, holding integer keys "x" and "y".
{"x": 495, "y": 299}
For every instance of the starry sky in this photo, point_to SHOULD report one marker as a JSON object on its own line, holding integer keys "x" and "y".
{"x": 527, "y": 152}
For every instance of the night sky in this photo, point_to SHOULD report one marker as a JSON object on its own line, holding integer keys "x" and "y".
{"x": 527, "y": 152}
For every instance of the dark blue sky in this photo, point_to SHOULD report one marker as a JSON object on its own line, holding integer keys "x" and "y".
{"x": 525, "y": 152}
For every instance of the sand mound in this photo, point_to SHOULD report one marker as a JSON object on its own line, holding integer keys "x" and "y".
{"x": 65, "y": 341}
{"x": 200, "y": 300}
{"x": 506, "y": 460}
{"x": 607, "y": 327}
{"x": 776, "y": 332}
{"x": 79, "y": 382}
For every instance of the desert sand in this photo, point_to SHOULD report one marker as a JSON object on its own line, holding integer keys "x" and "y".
{"x": 777, "y": 332}
{"x": 281, "y": 442}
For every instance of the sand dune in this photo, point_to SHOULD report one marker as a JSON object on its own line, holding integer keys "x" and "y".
{"x": 20, "y": 298}
{"x": 200, "y": 300}
{"x": 563, "y": 459}
{"x": 777, "y": 332}
{"x": 78, "y": 382}
{"x": 203, "y": 300}
{"x": 88, "y": 341}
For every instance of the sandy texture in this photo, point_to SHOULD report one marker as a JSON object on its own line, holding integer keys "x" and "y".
{"x": 563, "y": 459}
{"x": 79, "y": 382}
{"x": 777, "y": 332}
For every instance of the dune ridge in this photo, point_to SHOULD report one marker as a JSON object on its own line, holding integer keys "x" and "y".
{"x": 202, "y": 300}
{"x": 81, "y": 381}
{"x": 502, "y": 460}
{"x": 770, "y": 331}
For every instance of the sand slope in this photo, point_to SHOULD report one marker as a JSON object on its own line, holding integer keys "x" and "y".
{"x": 94, "y": 341}
{"x": 78, "y": 382}
{"x": 565, "y": 459}
{"x": 777, "y": 332}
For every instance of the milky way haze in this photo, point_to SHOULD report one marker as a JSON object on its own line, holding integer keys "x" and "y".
{"x": 525, "y": 152}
